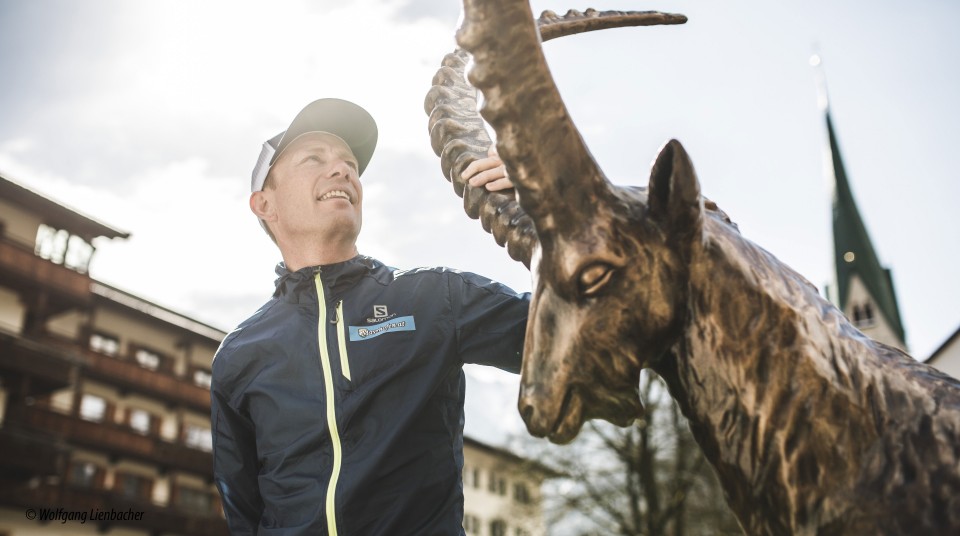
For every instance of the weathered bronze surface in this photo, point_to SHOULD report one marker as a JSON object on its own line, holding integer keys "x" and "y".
{"x": 812, "y": 427}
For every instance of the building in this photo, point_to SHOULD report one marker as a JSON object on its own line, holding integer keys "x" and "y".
{"x": 946, "y": 358}
{"x": 104, "y": 396}
{"x": 864, "y": 288}
{"x": 105, "y": 404}
{"x": 501, "y": 492}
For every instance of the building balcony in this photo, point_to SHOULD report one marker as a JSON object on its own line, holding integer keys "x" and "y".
{"x": 113, "y": 440}
{"x": 25, "y": 455}
{"x": 156, "y": 519}
{"x": 21, "y": 268}
{"x": 128, "y": 374}
{"x": 34, "y": 368}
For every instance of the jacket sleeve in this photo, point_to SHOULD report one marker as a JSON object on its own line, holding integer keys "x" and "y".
{"x": 235, "y": 465}
{"x": 490, "y": 319}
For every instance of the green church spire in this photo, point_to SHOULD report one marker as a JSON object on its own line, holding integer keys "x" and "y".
{"x": 853, "y": 251}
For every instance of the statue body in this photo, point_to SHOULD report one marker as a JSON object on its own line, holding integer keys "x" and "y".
{"x": 812, "y": 427}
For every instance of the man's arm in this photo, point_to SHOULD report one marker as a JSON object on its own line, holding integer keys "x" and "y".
{"x": 235, "y": 466}
{"x": 491, "y": 321}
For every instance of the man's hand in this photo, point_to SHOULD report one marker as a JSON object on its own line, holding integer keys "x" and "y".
{"x": 488, "y": 172}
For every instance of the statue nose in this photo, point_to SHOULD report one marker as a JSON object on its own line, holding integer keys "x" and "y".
{"x": 533, "y": 418}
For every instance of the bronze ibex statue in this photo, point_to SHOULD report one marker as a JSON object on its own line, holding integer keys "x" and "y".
{"x": 812, "y": 427}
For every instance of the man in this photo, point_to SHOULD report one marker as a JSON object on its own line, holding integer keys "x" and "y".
{"x": 337, "y": 408}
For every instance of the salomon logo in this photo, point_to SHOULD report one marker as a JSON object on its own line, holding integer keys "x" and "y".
{"x": 380, "y": 311}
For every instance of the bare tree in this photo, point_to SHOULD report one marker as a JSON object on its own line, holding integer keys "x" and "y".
{"x": 647, "y": 479}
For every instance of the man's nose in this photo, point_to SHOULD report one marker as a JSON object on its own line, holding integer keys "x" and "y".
{"x": 340, "y": 170}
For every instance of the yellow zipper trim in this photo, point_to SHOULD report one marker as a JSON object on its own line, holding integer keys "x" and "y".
{"x": 331, "y": 411}
{"x": 342, "y": 341}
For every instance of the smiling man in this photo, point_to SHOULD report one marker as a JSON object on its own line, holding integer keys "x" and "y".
{"x": 337, "y": 408}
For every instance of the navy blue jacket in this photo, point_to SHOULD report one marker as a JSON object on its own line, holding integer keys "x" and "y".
{"x": 337, "y": 408}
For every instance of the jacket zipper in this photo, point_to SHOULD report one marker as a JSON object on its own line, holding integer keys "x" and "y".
{"x": 342, "y": 342}
{"x": 331, "y": 410}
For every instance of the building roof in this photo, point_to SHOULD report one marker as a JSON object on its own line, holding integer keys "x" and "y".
{"x": 56, "y": 214}
{"x": 943, "y": 347}
{"x": 527, "y": 463}
{"x": 850, "y": 237}
{"x": 158, "y": 312}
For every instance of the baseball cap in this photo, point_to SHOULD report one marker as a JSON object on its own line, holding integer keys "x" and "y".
{"x": 344, "y": 119}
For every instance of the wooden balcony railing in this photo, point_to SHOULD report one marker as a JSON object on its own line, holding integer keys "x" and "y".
{"x": 20, "y": 264}
{"x": 128, "y": 374}
{"x": 113, "y": 439}
{"x": 24, "y": 455}
{"x": 48, "y": 367}
{"x": 155, "y": 519}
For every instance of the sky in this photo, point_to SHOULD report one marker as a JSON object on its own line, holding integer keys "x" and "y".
{"x": 149, "y": 116}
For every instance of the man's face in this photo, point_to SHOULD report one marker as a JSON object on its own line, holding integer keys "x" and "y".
{"x": 316, "y": 189}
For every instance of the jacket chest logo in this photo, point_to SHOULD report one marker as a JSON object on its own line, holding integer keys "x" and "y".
{"x": 363, "y": 333}
{"x": 380, "y": 314}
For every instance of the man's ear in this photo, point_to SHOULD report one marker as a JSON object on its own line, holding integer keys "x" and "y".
{"x": 261, "y": 204}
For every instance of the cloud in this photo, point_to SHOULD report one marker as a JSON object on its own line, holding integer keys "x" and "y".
{"x": 441, "y": 10}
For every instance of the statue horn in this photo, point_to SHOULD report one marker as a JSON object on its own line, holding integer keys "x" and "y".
{"x": 458, "y": 136}
{"x": 555, "y": 175}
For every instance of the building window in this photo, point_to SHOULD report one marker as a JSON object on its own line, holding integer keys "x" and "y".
{"x": 147, "y": 359}
{"x": 203, "y": 378}
{"x": 93, "y": 408}
{"x": 521, "y": 493}
{"x": 60, "y": 247}
{"x": 471, "y": 524}
{"x": 195, "y": 500}
{"x": 133, "y": 486}
{"x": 497, "y": 484}
{"x": 198, "y": 437}
{"x": 471, "y": 477}
{"x": 51, "y": 243}
{"x": 84, "y": 474}
{"x": 863, "y": 316}
{"x": 498, "y": 527}
{"x": 141, "y": 420}
{"x": 105, "y": 344}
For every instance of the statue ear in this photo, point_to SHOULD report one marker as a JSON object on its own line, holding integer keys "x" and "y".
{"x": 674, "y": 193}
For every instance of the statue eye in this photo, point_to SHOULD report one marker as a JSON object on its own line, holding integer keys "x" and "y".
{"x": 594, "y": 277}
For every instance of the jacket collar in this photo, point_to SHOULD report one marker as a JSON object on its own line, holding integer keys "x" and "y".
{"x": 335, "y": 275}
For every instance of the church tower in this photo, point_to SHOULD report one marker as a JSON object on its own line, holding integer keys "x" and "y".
{"x": 864, "y": 288}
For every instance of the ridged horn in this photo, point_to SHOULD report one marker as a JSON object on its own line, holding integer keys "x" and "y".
{"x": 458, "y": 137}
{"x": 574, "y": 22}
{"x": 556, "y": 177}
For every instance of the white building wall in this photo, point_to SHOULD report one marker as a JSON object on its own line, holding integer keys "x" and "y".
{"x": 948, "y": 358}
{"x": 11, "y": 311}
{"x": 879, "y": 330}
{"x": 486, "y": 505}
{"x": 19, "y": 225}
{"x": 132, "y": 332}
{"x": 68, "y": 325}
